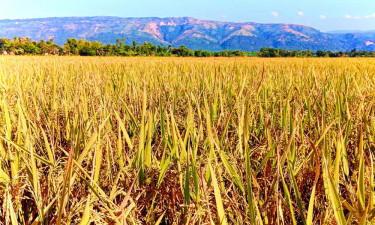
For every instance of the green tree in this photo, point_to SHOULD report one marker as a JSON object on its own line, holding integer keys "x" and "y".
{"x": 134, "y": 46}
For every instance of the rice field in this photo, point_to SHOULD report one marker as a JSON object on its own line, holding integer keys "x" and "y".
{"x": 108, "y": 140}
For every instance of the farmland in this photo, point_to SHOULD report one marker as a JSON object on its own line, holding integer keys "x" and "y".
{"x": 147, "y": 140}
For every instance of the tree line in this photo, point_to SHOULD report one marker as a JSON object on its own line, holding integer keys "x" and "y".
{"x": 273, "y": 52}
{"x": 25, "y": 46}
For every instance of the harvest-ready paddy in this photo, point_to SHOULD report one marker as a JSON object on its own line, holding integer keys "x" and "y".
{"x": 108, "y": 140}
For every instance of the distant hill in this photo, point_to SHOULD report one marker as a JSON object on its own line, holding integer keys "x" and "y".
{"x": 193, "y": 33}
{"x": 366, "y": 33}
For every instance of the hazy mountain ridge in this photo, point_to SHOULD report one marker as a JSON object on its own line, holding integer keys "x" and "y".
{"x": 193, "y": 33}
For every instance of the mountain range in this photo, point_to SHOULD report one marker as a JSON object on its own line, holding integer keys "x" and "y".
{"x": 191, "y": 32}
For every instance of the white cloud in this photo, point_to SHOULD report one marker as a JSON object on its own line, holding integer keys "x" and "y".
{"x": 224, "y": 16}
{"x": 370, "y": 16}
{"x": 347, "y": 16}
{"x": 301, "y": 14}
{"x": 323, "y": 17}
{"x": 275, "y": 14}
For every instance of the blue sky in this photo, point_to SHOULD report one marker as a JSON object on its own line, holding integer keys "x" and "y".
{"x": 321, "y": 14}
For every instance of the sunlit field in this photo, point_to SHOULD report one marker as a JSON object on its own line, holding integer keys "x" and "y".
{"x": 108, "y": 140}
